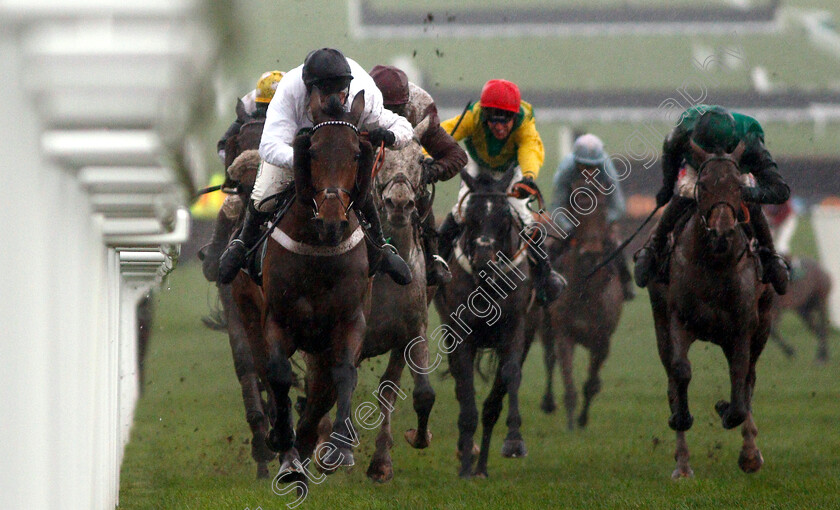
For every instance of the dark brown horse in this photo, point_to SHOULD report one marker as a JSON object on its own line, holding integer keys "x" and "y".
{"x": 317, "y": 290}
{"x": 586, "y": 314}
{"x": 484, "y": 307}
{"x": 807, "y": 295}
{"x": 715, "y": 294}
{"x": 399, "y": 314}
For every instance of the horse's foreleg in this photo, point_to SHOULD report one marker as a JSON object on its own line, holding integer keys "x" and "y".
{"x": 777, "y": 338}
{"x": 750, "y": 459}
{"x": 320, "y": 396}
{"x": 461, "y": 368}
{"x": 734, "y": 412}
{"x": 592, "y": 386}
{"x": 683, "y": 470}
{"x": 381, "y": 468}
{"x": 279, "y": 375}
{"x": 424, "y": 399}
{"x": 346, "y": 349}
{"x": 549, "y": 359}
{"x": 818, "y": 322}
{"x": 680, "y": 371}
{"x": 565, "y": 351}
{"x": 511, "y": 375}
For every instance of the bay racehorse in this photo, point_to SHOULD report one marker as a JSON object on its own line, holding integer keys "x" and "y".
{"x": 715, "y": 294}
{"x": 399, "y": 314}
{"x": 316, "y": 285}
{"x": 586, "y": 314}
{"x": 484, "y": 307}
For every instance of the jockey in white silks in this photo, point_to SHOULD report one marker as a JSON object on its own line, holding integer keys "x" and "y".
{"x": 330, "y": 72}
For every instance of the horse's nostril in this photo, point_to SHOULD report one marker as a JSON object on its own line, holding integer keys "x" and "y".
{"x": 410, "y": 205}
{"x": 389, "y": 203}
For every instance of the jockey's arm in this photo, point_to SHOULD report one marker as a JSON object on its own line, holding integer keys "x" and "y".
{"x": 529, "y": 148}
{"x": 562, "y": 182}
{"x": 232, "y": 130}
{"x": 377, "y": 116}
{"x": 617, "y": 206}
{"x": 676, "y": 144}
{"x": 449, "y": 157}
{"x": 465, "y": 128}
{"x": 771, "y": 188}
{"x": 281, "y": 125}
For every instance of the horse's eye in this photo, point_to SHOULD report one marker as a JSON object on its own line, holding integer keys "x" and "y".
{"x": 357, "y": 156}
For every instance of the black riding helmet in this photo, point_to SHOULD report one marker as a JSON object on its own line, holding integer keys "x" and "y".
{"x": 328, "y": 69}
{"x": 716, "y": 131}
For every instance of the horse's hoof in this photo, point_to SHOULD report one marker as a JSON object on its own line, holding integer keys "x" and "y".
{"x": 380, "y": 471}
{"x": 547, "y": 405}
{"x": 583, "y": 419}
{"x": 514, "y": 448}
{"x": 465, "y": 474}
{"x": 290, "y": 468}
{"x": 416, "y": 441}
{"x": 336, "y": 458}
{"x": 481, "y": 474}
{"x": 681, "y": 473}
{"x": 750, "y": 463}
{"x": 260, "y": 451}
{"x": 475, "y": 451}
{"x": 262, "y": 471}
{"x": 730, "y": 416}
{"x": 680, "y": 423}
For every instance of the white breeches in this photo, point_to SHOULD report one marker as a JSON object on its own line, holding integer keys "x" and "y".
{"x": 520, "y": 207}
{"x": 271, "y": 179}
{"x": 784, "y": 233}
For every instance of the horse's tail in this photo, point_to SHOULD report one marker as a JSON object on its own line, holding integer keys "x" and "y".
{"x": 493, "y": 363}
{"x": 215, "y": 320}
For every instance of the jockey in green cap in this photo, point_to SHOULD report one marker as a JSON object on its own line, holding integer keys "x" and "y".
{"x": 714, "y": 129}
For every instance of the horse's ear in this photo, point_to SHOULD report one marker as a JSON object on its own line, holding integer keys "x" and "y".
{"x": 468, "y": 179}
{"x": 358, "y": 107}
{"x": 699, "y": 154}
{"x": 739, "y": 151}
{"x": 302, "y": 161}
{"x": 316, "y": 102}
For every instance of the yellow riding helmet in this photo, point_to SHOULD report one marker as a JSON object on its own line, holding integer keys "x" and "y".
{"x": 267, "y": 84}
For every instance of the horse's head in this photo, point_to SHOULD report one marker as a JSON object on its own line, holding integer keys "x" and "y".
{"x": 488, "y": 219}
{"x": 718, "y": 194}
{"x": 332, "y": 164}
{"x": 398, "y": 183}
{"x": 590, "y": 235}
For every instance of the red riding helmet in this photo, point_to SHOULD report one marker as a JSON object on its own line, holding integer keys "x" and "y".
{"x": 501, "y": 94}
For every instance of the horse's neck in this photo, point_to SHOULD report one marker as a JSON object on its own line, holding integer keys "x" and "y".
{"x": 403, "y": 238}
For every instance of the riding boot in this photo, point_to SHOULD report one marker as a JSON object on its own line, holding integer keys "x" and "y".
{"x": 210, "y": 252}
{"x": 233, "y": 259}
{"x": 547, "y": 282}
{"x": 447, "y": 234}
{"x": 775, "y": 267}
{"x": 379, "y": 251}
{"x": 650, "y": 255}
{"x": 437, "y": 270}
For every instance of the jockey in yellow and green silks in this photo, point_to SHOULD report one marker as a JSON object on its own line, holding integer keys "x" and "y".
{"x": 499, "y": 133}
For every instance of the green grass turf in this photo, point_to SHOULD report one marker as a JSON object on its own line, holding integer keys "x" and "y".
{"x": 189, "y": 450}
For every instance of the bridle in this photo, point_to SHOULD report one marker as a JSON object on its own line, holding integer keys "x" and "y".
{"x": 332, "y": 192}
{"x": 704, "y": 216}
{"x": 468, "y": 248}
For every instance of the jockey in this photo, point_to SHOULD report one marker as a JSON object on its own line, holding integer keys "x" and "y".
{"x": 244, "y": 133}
{"x": 588, "y": 160}
{"x": 715, "y": 129}
{"x": 415, "y": 104}
{"x": 330, "y": 72}
{"x": 499, "y": 132}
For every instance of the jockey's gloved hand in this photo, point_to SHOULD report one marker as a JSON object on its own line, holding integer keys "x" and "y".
{"x": 431, "y": 171}
{"x": 525, "y": 187}
{"x": 379, "y": 135}
{"x": 664, "y": 196}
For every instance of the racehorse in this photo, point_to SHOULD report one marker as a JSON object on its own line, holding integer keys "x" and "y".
{"x": 484, "y": 306}
{"x": 241, "y": 315}
{"x": 715, "y": 294}
{"x": 399, "y": 314}
{"x": 807, "y": 294}
{"x": 586, "y": 314}
{"x": 316, "y": 285}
